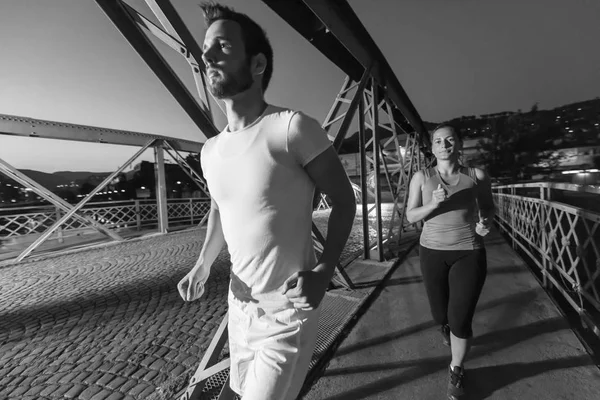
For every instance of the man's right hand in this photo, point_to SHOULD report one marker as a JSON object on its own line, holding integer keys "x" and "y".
{"x": 191, "y": 287}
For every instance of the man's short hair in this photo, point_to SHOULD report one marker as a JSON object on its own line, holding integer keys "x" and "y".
{"x": 254, "y": 37}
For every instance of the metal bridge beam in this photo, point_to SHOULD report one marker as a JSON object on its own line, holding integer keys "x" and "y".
{"x": 172, "y": 22}
{"x": 121, "y": 16}
{"x": 60, "y": 204}
{"x": 169, "y": 38}
{"x": 208, "y": 363}
{"x": 30, "y": 127}
{"x": 198, "y": 180}
{"x": 333, "y": 28}
{"x": 161, "y": 188}
{"x": 80, "y": 205}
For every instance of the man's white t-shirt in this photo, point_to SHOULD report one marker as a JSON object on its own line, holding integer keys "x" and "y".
{"x": 264, "y": 196}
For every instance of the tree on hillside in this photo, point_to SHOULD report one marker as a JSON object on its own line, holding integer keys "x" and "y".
{"x": 596, "y": 162}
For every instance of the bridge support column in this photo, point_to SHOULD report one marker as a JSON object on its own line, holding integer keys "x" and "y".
{"x": 70, "y": 211}
{"x": 398, "y": 164}
{"x": 59, "y": 231}
{"x": 373, "y": 170}
{"x": 161, "y": 188}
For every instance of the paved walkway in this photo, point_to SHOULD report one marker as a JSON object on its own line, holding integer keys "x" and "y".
{"x": 524, "y": 349}
{"x": 105, "y": 323}
{"x": 108, "y": 323}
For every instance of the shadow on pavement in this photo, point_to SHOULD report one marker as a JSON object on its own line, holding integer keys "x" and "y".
{"x": 392, "y": 282}
{"x": 521, "y": 298}
{"x": 484, "y": 345}
{"x": 408, "y": 280}
{"x": 484, "y": 381}
{"x": 112, "y": 304}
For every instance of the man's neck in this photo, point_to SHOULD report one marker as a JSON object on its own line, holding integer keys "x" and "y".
{"x": 243, "y": 110}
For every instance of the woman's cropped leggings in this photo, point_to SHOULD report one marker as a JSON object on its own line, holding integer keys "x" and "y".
{"x": 453, "y": 280}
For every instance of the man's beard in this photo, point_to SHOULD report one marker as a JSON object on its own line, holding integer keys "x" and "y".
{"x": 231, "y": 84}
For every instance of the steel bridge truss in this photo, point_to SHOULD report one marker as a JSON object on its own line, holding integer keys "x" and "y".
{"x": 69, "y": 215}
{"x": 370, "y": 88}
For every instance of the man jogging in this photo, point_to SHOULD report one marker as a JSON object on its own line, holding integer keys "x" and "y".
{"x": 261, "y": 171}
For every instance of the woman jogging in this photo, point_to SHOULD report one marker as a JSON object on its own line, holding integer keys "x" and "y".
{"x": 457, "y": 206}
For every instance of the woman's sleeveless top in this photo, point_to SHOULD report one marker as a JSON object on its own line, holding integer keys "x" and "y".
{"x": 452, "y": 225}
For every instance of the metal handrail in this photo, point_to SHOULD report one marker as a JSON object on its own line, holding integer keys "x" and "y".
{"x": 117, "y": 214}
{"x": 571, "y": 187}
{"x": 562, "y": 240}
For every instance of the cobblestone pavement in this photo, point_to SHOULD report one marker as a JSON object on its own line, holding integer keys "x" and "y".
{"x": 108, "y": 323}
{"x": 105, "y": 323}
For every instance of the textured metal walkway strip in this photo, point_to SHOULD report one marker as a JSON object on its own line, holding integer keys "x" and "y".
{"x": 338, "y": 309}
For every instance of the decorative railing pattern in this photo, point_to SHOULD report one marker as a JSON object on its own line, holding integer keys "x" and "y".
{"x": 119, "y": 215}
{"x": 563, "y": 240}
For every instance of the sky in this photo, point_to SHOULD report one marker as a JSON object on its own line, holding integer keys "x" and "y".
{"x": 63, "y": 60}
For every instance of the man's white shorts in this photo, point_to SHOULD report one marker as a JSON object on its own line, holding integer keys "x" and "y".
{"x": 270, "y": 349}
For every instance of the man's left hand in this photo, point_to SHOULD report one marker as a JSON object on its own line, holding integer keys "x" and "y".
{"x": 306, "y": 289}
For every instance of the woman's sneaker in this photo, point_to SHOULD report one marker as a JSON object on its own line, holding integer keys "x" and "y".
{"x": 445, "y": 335}
{"x": 456, "y": 383}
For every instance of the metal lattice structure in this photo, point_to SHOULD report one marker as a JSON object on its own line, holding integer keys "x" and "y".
{"x": 115, "y": 215}
{"x": 562, "y": 240}
{"x": 370, "y": 89}
{"x": 70, "y": 217}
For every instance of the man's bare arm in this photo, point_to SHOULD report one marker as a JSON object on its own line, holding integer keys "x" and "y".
{"x": 306, "y": 289}
{"x": 328, "y": 173}
{"x": 191, "y": 286}
{"x": 214, "y": 241}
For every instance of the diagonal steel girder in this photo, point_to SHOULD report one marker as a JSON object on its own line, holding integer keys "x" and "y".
{"x": 179, "y": 159}
{"x": 171, "y": 21}
{"x": 121, "y": 16}
{"x": 41, "y": 191}
{"x": 13, "y": 125}
{"x": 168, "y": 38}
{"x": 73, "y": 210}
{"x": 336, "y": 31}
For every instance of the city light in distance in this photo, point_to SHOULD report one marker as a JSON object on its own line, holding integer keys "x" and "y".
{"x": 581, "y": 171}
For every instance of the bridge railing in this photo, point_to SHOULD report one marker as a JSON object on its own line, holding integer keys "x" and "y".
{"x": 24, "y": 222}
{"x": 556, "y": 226}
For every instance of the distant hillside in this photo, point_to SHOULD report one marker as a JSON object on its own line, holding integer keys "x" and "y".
{"x": 350, "y": 143}
{"x": 79, "y": 176}
{"x": 577, "y": 124}
{"x": 51, "y": 181}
